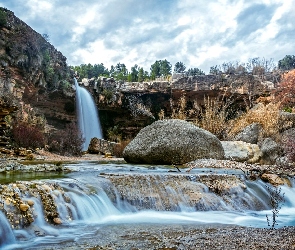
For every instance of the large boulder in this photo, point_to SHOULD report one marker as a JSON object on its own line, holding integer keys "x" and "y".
{"x": 241, "y": 151}
{"x": 172, "y": 142}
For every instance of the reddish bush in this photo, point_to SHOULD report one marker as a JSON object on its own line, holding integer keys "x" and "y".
{"x": 68, "y": 141}
{"x": 286, "y": 90}
{"x": 28, "y": 135}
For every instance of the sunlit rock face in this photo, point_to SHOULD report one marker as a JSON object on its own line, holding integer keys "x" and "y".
{"x": 172, "y": 142}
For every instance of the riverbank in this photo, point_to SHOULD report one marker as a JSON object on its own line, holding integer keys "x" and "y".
{"x": 184, "y": 237}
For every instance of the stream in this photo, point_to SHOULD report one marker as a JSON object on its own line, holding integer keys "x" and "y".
{"x": 98, "y": 199}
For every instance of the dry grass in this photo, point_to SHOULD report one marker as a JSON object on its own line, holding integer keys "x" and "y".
{"x": 119, "y": 148}
{"x": 266, "y": 115}
{"x": 213, "y": 117}
{"x": 179, "y": 112}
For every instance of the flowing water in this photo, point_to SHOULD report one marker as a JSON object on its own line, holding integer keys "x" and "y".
{"x": 88, "y": 118}
{"x": 102, "y": 195}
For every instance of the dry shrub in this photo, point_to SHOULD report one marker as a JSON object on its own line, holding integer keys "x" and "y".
{"x": 119, "y": 148}
{"x": 266, "y": 115}
{"x": 28, "y": 135}
{"x": 213, "y": 117}
{"x": 68, "y": 141}
{"x": 180, "y": 111}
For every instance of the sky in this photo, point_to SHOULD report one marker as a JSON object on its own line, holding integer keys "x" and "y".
{"x": 199, "y": 33}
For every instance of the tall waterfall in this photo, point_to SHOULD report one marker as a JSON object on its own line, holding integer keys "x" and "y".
{"x": 88, "y": 119}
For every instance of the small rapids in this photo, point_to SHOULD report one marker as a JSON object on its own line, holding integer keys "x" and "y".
{"x": 93, "y": 198}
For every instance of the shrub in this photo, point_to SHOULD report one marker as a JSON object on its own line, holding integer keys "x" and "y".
{"x": 266, "y": 115}
{"x": 28, "y": 135}
{"x": 213, "y": 117}
{"x": 68, "y": 141}
{"x": 3, "y": 17}
{"x": 286, "y": 90}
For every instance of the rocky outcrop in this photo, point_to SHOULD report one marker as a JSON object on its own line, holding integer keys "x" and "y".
{"x": 241, "y": 151}
{"x": 172, "y": 142}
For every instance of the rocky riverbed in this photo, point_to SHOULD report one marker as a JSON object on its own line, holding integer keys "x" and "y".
{"x": 21, "y": 212}
{"x": 184, "y": 237}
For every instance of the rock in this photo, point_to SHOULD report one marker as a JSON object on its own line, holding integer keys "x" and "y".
{"x": 172, "y": 142}
{"x": 270, "y": 151}
{"x": 249, "y": 134}
{"x": 24, "y": 207}
{"x": 286, "y": 120}
{"x": 57, "y": 221}
{"x": 241, "y": 151}
{"x": 31, "y": 203}
{"x": 272, "y": 179}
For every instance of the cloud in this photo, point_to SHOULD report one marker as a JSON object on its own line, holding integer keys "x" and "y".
{"x": 198, "y": 33}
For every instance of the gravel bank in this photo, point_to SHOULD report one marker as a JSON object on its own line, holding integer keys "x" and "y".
{"x": 185, "y": 237}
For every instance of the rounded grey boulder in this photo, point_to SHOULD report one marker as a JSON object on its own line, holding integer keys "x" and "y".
{"x": 172, "y": 141}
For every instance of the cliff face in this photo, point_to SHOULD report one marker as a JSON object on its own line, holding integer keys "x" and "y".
{"x": 33, "y": 71}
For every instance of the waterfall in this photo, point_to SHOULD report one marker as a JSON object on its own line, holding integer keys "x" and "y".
{"x": 88, "y": 119}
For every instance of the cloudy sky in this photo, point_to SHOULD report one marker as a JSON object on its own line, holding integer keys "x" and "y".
{"x": 199, "y": 33}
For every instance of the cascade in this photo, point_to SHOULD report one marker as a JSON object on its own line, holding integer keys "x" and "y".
{"x": 7, "y": 236}
{"x": 110, "y": 194}
{"x": 88, "y": 119}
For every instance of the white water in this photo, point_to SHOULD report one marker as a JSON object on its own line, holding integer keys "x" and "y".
{"x": 90, "y": 209}
{"x": 7, "y": 236}
{"x": 88, "y": 119}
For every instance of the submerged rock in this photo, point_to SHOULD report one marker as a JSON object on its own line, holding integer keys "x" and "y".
{"x": 172, "y": 142}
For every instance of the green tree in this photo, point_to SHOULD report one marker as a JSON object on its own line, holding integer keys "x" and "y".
{"x": 179, "y": 67}
{"x": 141, "y": 75}
{"x": 160, "y": 68}
{"x": 195, "y": 72}
{"x": 287, "y": 63}
{"x": 3, "y": 17}
{"x": 166, "y": 68}
{"x": 155, "y": 70}
{"x": 215, "y": 70}
{"x": 134, "y": 73}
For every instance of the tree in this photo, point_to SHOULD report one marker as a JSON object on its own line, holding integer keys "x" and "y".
{"x": 134, "y": 73}
{"x": 287, "y": 63}
{"x": 140, "y": 75}
{"x": 179, "y": 67}
{"x": 215, "y": 70}
{"x": 3, "y": 17}
{"x": 160, "y": 68}
{"x": 166, "y": 68}
{"x": 155, "y": 70}
{"x": 195, "y": 72}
